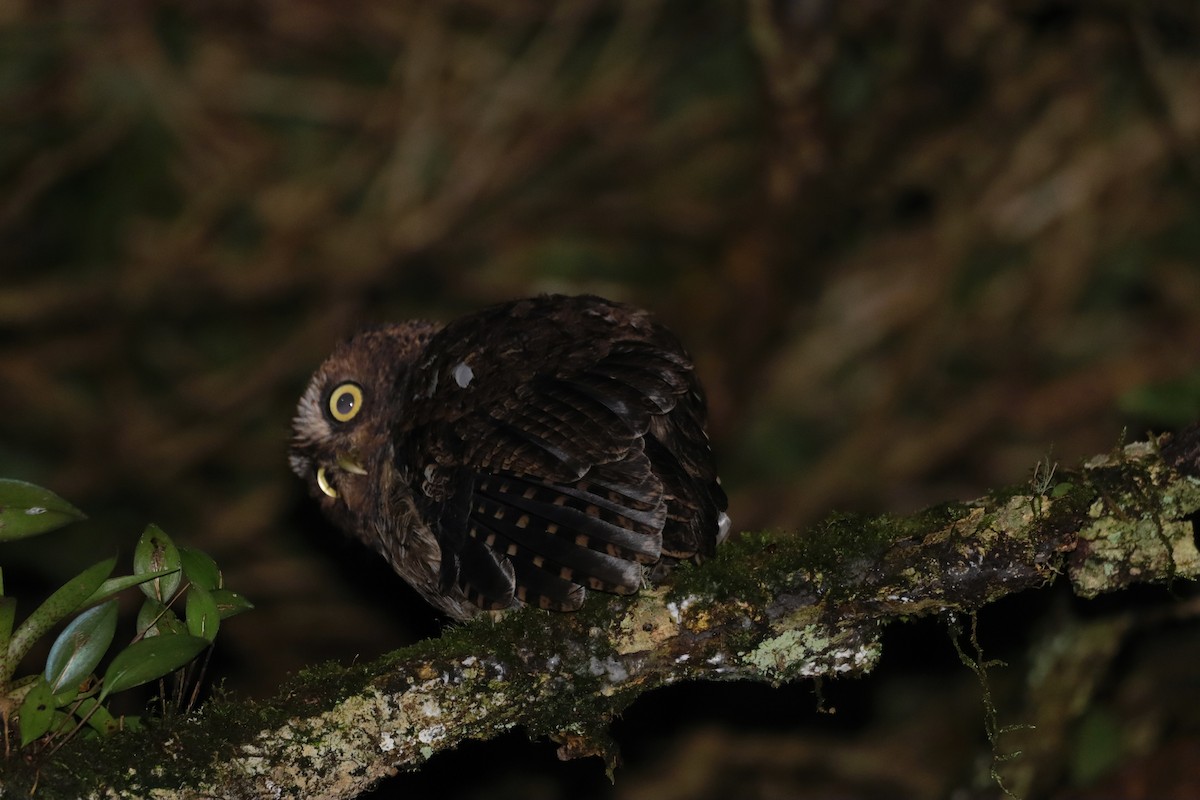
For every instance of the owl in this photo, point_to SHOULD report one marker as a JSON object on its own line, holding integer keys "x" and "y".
{"x": 519, "y": 455}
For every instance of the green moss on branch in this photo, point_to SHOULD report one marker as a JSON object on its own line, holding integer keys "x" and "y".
{"x": 771, "y": 607}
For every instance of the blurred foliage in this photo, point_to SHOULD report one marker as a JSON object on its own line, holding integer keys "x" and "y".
{"x": 912, "y": 246}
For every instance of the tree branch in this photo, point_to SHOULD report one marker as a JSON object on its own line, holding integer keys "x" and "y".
{"x": 770, "y": 607}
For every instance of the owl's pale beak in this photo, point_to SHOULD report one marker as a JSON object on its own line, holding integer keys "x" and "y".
{"x": 324, "y": 485}
{"x": 345, "y": 463}
{"x": 350, "y": 465}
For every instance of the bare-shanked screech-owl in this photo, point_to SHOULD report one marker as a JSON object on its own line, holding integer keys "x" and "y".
{"x": 516, "y": 455}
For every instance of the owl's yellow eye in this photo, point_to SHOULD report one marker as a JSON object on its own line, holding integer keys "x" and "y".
{"x": 345, "y": 402}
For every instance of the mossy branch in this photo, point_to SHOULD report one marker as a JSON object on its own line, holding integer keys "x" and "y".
{"x": 771, "y": 608}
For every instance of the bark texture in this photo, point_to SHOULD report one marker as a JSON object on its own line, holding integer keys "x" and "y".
{"x": 771, "y": 607}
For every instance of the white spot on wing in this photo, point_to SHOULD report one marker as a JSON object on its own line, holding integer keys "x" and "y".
{"x": 463, "y": 375}
{"x": 723, "y": 526}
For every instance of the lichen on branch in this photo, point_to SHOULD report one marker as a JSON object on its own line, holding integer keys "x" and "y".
{"x": 771, "y": 607}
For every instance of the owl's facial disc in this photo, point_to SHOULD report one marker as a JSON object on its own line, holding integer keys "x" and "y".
{"x": 343, "y": 404}
{"x": 342, "y": 427}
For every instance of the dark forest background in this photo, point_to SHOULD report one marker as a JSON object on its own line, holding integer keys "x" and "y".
{"x": 915, "y": 248}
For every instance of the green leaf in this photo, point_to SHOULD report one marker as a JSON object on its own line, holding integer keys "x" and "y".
{"x": 154, "y": 618}
{"x": 101, "y": 721}
{"x": 20, "y": 687}
{"x": 113, "y": 586}
{"x": 126, "y": 722}
{"x": 28, "y": 510}
{"x": 37, "y": 712}
{"x": 1062, "y": 489}
{"x": 149, "y": 659}
{"x": 81, "y": 645}
{"x": 156, "y": 552}
{"x": 62, "y": 722}
{"x": 56, "y": 607}
{"x": 230, "y": 603}
{"x": 73, "y": 694}
{"x": 98, "y": 717}
{"x": 203, "y": 617}
{"x": 200, "y": 569}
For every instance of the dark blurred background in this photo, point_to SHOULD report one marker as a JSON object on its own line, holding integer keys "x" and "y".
{"x": 915, "y": 248}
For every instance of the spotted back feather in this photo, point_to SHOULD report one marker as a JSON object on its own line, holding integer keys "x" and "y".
{"x": 545, "y": 447}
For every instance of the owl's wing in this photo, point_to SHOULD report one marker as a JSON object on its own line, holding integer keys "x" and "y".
{"x": 555, "y": 442}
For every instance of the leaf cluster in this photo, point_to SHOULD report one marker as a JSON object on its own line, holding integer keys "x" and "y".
{"x": 184, "y": 601}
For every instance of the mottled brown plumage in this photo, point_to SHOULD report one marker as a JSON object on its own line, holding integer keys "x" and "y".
{"x": 521, "y": 454}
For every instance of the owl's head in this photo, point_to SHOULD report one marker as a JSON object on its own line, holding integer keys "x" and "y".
{"x": 343, "y": 424}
